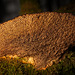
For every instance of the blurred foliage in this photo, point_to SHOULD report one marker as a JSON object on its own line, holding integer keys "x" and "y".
{"x": 29, "y": 6}
{"x": 33, "y": 6}
{"x": 70, "y": 8}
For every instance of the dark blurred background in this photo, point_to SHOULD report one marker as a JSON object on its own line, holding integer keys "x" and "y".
{"x": 10, "y": 9}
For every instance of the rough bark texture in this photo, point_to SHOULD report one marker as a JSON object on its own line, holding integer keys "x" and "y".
{"x": 43, "y": 36}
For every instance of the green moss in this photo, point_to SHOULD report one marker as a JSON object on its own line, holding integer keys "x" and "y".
{"x": 16, "y": 67}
